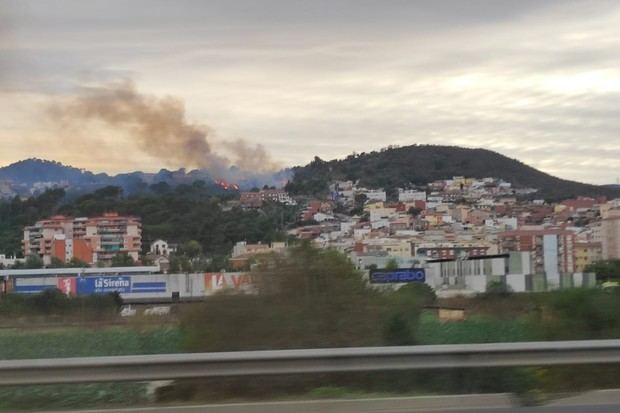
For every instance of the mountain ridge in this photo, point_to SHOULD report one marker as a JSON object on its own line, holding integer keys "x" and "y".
{"x": 33, "y": 175}
{"x": 389, "y": 167}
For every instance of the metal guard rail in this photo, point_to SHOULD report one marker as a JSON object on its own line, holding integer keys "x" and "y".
{"x": 194, "y": 365}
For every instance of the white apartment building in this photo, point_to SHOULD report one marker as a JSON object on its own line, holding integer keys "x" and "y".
{"x": 411, "y": 195}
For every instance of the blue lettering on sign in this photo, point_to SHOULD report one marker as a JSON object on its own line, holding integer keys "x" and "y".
{"x": 100, "y": 285}
{"x": 401, "y": 275}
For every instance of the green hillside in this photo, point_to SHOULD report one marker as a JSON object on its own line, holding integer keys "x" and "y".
{"x": 420, "y": 164}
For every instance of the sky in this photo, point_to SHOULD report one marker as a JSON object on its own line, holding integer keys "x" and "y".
{"x": 535, "y": 80}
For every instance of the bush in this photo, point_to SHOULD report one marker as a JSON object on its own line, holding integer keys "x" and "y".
{"x": 52, "y": 302}
{"x": 581, "y": 314}
{"x": 307, "y": 298}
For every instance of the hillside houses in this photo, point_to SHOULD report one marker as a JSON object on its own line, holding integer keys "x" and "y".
{"x": 468, "y": 219}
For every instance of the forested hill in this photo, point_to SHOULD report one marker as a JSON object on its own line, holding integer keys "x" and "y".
{"x": 420, "y": 164}
{"x": 177, "y": 214}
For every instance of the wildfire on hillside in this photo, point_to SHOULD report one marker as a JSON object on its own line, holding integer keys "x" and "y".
{"x": 226, "y": 186}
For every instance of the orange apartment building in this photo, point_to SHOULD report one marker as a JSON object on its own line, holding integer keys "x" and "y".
{"x": 92, "y": 240}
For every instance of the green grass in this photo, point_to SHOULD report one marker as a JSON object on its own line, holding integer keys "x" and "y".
{"x": 66, "y": 396}
{"x": 474, "y": 330}
{"x": 109, "y": 341}
{"x": 74, "y": 342}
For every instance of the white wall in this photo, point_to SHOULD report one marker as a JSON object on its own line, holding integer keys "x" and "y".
{"x": 550, "y": 253}
{"x": 516, "y": 282}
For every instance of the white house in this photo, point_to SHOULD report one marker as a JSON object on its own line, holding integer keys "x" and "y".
{"x": 411, "y": 195}
{"x": 161, "y": 248}
{"x": 9, "y": 261}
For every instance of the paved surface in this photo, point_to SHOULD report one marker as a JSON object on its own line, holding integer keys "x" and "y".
{"x": 602, "y": 401}
{"x": 249, "y": 409}
{"x": 546, "y": 409}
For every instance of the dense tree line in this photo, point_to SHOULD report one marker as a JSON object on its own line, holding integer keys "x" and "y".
{"x": 177, "y": 214}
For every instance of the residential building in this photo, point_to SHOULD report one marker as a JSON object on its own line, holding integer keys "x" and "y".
{"x": 410, "y": 195}
{"x": 610, "y": 235}
{"x": 277, "y": 195}
{"x": 379, "y": 212}
{"x": 448, "y": 250}
{"x": 242, "y": 252}
{"x": 92, "y": 240}
{"x": 587, "y": 253}
{"x": 579, "y": 203}
{"x": 251, "y": 199}
{"x": 477, "y": 217}
{"x": 552, "y": 251}
{"x": 256, "y": 199}
{"x": 375, "y": 195}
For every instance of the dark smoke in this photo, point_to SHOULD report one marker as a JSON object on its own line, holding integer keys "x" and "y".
{"x": 160, "y": 128}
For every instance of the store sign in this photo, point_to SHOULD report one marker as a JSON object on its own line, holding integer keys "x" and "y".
{"x": 216, "y": 281}
{"x": 401, "y": 275}
{"x": 100, "y": 285}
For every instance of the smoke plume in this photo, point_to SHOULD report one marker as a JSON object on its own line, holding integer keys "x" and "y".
{"x": 160, "y": 128}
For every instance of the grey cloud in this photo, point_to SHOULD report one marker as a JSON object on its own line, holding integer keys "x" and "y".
{"x": 118, "y": 14}
{"x": 349, "y": 75}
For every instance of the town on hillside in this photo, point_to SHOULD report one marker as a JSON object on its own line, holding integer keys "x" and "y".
{"x": 465, "y": 235}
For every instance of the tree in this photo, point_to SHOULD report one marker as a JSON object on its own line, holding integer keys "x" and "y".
{"x": 147, "y": 260}
{"x": 218, "y": 263}
{"x": 422, "y": 294}
{"x": 306, "y": 298}
{"x": 580, "y": 313}
{"x": 414, "y": 212}
{"x": 180, "y": 263}
{"x": 404, "y": 306}
{"x": 605, "y": 270}
{"x": 360, "y": 200}
{"x": 397, "y": 331}
{"x": 192, "y": 249}
{"x": 56, "y": 263}
{"x": 33, "y": 261}
{"x": 391, "y": 194}
{"x": 122, "y": 260}
{"x": 498, "y": 288}
{"x": 75, "y": 262}
{"x": 392, "y": 265}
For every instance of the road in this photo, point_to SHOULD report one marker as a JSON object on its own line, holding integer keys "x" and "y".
{"x": 599, "y": 401}
{"x": 254, "y": 408}
{"x": 546, "y": 409}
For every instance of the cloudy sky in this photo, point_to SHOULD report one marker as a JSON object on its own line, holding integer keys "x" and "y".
{"x": 534, "y": 80}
